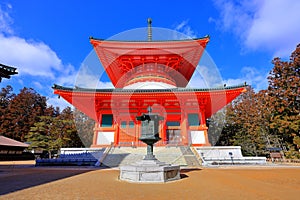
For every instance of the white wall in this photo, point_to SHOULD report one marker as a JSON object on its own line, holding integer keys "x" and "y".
{"x": 197, "y": 137}
{"x": 105, "y": 138}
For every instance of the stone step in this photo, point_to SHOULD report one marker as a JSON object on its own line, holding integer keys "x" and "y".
{"x": 120, "y": 156}
{"x": 186, "y": 150}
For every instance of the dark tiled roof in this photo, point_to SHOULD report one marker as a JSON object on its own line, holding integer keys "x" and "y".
{"x": 6, "y": 71}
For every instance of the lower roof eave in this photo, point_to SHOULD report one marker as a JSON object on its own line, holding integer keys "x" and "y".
{"x": 121, "y": 90}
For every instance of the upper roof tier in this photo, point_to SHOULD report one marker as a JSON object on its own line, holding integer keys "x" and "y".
{"x": 171, "y": 61}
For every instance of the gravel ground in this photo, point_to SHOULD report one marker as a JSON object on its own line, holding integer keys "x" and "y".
{"x": 28, "y": 182}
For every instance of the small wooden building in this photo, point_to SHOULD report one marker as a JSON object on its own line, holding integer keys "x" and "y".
{"x": 13, "y": 150}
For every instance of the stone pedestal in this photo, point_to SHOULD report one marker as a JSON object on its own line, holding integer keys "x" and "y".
{"x": 149, "y": 171}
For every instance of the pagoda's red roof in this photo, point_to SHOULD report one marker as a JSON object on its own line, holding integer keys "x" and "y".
{"x": 119, "y": 58}
{"x": 92, "y": 102}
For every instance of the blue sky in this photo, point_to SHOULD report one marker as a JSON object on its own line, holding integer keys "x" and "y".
{"x": 49, "y": 40}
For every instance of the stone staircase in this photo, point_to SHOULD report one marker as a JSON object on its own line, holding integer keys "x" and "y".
{"x": 181, "y": 155}
{"x": 191, "y": 158}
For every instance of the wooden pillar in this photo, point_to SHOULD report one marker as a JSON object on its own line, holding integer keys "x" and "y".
{"x": 96, "y": 129}
{"x": 137, "y": 125}
{"x": 207, "y": 143}
{"x": 162, "y": 123}
{"x": 95, "y": 136}
{"x": 137, "y": 131}
{"x": 164, "y": 136}
{"x": 184, "y": 130}
{"x": 203, "y": 118}
{"x": 184, "y": 124}
{"x": 100, "y": 119}
{"x": 116, "y": 120}
{"x": 203, "y": 125}
{"x": 117, "y": 136}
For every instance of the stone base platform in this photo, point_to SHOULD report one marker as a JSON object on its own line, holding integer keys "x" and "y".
{"x": 227, "y": 155}
{"x": 150, "y": 171}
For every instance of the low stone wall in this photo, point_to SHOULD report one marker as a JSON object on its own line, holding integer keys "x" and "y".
{"x": 74, "y": 157}
{"x": 226, "y": 155}
{"x": 80, "y": 150}
{"x": 65, "y": 162}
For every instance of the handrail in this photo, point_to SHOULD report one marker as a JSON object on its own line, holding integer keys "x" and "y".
{"x": 106, "y": 152}
{"x": 198, "y": 156}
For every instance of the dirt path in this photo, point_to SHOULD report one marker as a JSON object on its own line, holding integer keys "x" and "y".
{"x": 208, "y": 183}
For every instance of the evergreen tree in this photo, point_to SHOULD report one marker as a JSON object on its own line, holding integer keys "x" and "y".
{"x": 70, "y": 129}
{"x": 44, "y": 135}
{"x": 52, "y": 133}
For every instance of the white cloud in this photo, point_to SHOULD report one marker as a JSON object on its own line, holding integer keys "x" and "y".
{"x": 58, "y": 102}
{"x": 252, "y": 76}
{"x": 276, "y": 27}
{"x": 104, "y": 85}
{"x": 90, "y": 73}
{"x": 35, "y": 61}
{"x": 5, "y": 19}
{"x": 235, "y": 16}
{"x": 67, "y": 76}
{"x": 37, "y": 84}
{"x": 271, "y": 26}
{"x": 207, "y": 74}
{"x": 33, "y": 58}
{"x": 9, "y": 6}
{"x": 197, "y": 81}
{"x": 185, "y": 31}
{"x": 88, "y": 77}
{"x": 30, "y": 57}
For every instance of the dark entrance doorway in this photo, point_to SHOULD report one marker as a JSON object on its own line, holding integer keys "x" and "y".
{"x": 173, "y": 133}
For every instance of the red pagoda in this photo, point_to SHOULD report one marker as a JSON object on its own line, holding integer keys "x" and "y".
{"x": 149, "y": 73}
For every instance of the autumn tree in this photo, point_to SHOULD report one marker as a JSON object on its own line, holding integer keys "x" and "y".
{"x": 84, "y": 126}
{"x": 21, "y": 112}
{"x": 246, "y": 123}
{"x": 6, "y": 95}
{"x": 215, "y": 126}
{"x": 284, "y": 98}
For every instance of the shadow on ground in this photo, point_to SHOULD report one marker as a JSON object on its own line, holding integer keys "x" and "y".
{"x": 14, "y": 178}
{"x": 184, "y": 172}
